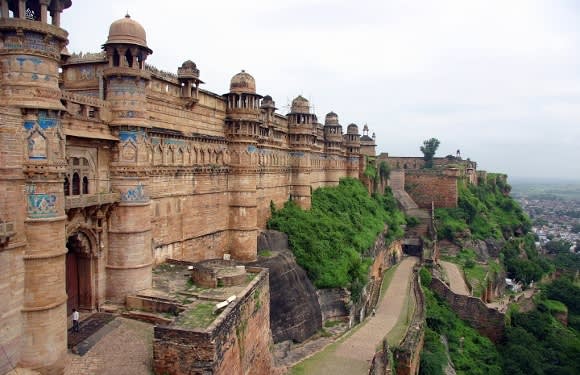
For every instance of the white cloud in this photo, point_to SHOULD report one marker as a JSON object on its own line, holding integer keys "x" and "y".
{"x": 478, "y": 74}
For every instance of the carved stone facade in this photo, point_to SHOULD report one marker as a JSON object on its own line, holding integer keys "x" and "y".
{"x": 109, "y": 165}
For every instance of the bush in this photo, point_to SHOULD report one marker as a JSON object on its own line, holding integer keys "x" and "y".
{"x": 425, "y": 277}
{"x": 331, "y": 240}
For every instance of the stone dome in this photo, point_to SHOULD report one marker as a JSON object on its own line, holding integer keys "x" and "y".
{"x": 189, "y": 65}
{"x": 331, "y": 119}
{"x": 243, "y": 83}
{"x": 300, "y": 105}
{"x": 127, "y": 31}
{"x": 352, "y": 129}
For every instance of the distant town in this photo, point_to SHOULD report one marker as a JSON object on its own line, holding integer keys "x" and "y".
{"x": 554, "y": 216}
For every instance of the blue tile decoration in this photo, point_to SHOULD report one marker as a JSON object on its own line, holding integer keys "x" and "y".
{"x": 41, "y": 206}
{"x": 252, "y": 149}
{"x": 130, "y": 135}
{"x": 137, "y": 194}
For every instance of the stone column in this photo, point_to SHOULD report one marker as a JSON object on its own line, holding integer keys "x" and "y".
{"x": 129, "y": 260}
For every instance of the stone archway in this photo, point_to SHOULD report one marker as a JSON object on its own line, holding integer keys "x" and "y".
{"x": 79, "y": 273}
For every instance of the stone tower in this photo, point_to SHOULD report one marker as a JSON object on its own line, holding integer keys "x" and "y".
{"x": 129, "y": 259}
{"x": 333, "y": 145}
{"x": 302, "y": 134}
{"x": 32, "y": 165}
{"x": 243, "y": 123}
{"x": 367, "y": 144}
{"x": 352, "y": 143}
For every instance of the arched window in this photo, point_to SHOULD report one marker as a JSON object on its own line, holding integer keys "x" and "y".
{"x": 66, "y": 186}
{"x": 76, "y": 184}
{"x": 85, "y": 185}
{"x": 116, "y": 58}
{"x": 129, "y": 58}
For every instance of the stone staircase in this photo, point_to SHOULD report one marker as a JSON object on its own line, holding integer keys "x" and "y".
{"x": 411, "y": 209}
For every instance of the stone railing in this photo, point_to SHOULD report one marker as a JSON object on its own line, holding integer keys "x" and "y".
{"x": 86, "y": 200}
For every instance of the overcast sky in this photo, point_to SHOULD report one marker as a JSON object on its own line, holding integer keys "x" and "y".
{"x": 499, "y": 80}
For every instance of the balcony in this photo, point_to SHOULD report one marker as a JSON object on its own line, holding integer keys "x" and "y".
{"x": 86, "y": 200}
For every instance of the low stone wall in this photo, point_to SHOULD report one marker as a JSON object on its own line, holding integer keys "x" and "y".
{"x": 489, "y": 322}
{"x": 152, "y": 304}
{"x": 408, "y": 353}
{"x": 237, "y": 342}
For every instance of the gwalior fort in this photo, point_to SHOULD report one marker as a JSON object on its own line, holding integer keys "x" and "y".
{"x": 123, "y": 185}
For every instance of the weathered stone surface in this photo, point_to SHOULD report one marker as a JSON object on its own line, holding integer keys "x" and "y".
{"x": 294, "y": 309}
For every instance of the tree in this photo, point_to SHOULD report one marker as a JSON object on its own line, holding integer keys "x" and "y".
{"x": 428, "y": 149}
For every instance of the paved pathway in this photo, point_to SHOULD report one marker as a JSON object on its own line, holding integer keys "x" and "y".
{"x": 455, "y": 277}
{"x": 126, "y": 349}
{"x": 354, "y": 354}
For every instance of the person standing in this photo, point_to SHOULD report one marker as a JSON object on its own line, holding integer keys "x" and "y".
{"x": 75, "y": 318}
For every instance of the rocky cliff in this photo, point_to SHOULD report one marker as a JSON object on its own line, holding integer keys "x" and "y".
{"x": 294, "y": 309}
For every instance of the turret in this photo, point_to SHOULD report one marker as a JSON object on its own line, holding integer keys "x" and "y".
{"x": 301, "y": 125}
{"x": 244, "y": 126}
{"x": 126, "y": 77}
{"x": 188, "y": 76}
{"x": 367, "y": 144}
{"x": 33, "y": 167}
{"x": 129, "y": 259}
{"x": 332, "y": 134}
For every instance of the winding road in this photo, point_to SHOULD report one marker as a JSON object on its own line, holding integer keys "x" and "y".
{"x": 456, "y": 280}
{"x": 353, "y": 354}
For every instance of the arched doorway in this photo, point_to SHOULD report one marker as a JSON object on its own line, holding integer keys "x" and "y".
{"x": 79, "y": 273}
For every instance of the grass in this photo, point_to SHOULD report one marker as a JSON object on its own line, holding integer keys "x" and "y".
{"x": 199, "y": 316}
{"x": 326, "y": 362}
{"x": 332, "y": 323}
{"x": 388, "y": 276}
{"x": 265, "y": 253}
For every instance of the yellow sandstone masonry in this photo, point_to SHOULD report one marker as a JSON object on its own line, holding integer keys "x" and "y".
{"x": 109, "y": 166}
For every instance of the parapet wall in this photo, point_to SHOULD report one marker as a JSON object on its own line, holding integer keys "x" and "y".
{"x": 437, "y": 186}
{"x": 408, "y": 353}
{"x": 237, "y": 342}
{"x": 489, "y": 322}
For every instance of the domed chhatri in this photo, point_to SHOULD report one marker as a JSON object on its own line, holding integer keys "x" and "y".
{"x": 331, "y": 119}
{"x": 188, "y": 70}
{"x": 243, "y": 83}
{"x": 352, "y": 129}
{"x": 300, "y": 105}
{"x": 127, "y": 31}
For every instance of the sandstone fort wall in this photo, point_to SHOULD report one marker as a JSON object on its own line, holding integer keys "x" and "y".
{"x": 236, "y": 343}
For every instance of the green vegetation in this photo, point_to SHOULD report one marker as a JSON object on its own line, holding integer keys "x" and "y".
{"x": 332, "y": 323}
{"x": 200, "y": 316}
{"x": 331, "y": 239}
{"x": 475, "y": 273}
{"x": 486, "y": 211}
{"x": 265, "y": 253}
{"x": 536, "y": 343}
{"x": 470, "y": 352}
{"x": 412, "y": 221}
{"x": 429, "y": 149}
{"x": 567, "y": 291}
